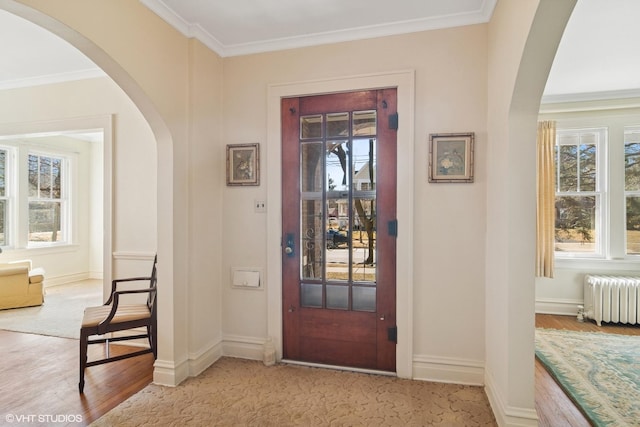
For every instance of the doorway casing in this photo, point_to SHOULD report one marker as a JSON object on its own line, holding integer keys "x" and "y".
{"x": 404, "y": 82}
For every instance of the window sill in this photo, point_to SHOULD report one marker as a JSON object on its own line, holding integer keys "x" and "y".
{"x": 42, "y": 250}
{"x": 631, "y": 264}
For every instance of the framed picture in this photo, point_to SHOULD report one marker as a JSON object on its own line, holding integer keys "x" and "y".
{"x": 243, "y": 164}
{"x": 451, "y": 157}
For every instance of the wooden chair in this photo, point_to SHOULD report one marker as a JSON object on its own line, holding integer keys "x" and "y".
{"x": 115, "y": 316}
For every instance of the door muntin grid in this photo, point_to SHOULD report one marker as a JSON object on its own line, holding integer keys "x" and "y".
{"x": 338, "y": 210}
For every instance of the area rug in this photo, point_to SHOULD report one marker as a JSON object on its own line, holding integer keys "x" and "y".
{"x": 600, "y": 372}
{"x": 238, "y": 392}
{"x": 60, "y": 315}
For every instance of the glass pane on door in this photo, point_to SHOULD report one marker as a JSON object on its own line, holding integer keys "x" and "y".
{"x": 363, "y": 249}
{"x": 311, "y": 240}
{"x": 338, "y": 212}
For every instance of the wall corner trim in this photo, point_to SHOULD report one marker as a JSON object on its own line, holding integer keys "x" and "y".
{"x": 508, "y": 416}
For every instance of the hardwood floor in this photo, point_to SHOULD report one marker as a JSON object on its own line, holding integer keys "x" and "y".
{"x": 40, "y": 381}
{"x": 553, "y": 406}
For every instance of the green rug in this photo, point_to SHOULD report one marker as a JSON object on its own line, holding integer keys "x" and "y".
{"x": 599, "y": 372}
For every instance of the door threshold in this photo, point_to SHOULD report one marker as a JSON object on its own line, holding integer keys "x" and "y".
{"x": 339, "y": 368}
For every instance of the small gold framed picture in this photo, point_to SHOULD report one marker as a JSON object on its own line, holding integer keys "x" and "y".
{"x": 243, "y": 164}
{"x": 451, "y": 157}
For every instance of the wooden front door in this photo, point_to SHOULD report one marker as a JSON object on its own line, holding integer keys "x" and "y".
{"x": 339, "y": 229}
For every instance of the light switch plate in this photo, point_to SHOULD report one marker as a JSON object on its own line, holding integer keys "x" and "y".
{"x": 260, "y": 206}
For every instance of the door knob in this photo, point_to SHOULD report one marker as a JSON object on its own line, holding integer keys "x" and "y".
{"x": 289, "y": 245}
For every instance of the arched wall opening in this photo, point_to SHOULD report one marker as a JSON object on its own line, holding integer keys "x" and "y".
{"x": 165, "y": 159}
{"x": 518, "y": 72}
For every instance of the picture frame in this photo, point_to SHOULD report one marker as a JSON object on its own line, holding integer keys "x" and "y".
{"x": 451, "y": 157}
{"x": 243, "y": 164}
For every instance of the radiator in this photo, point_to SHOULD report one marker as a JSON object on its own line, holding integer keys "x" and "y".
{"x": 613, "y": 299}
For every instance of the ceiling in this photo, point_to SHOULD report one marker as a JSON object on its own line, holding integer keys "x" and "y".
{"x": 32, "y": 56}
{"x": 598, "y": 55}
{"x": 240, "y": 27}
{"x": 593, "y": 59}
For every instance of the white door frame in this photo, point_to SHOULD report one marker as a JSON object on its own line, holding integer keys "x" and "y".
{"x": 404, "y": 82}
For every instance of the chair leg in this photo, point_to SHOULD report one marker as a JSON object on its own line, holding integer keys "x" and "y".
{"x": 152, "y": 340}
{"x": 84, "y": 343}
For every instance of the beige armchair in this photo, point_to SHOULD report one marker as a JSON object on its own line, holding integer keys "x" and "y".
{"x": 20, "y": 285}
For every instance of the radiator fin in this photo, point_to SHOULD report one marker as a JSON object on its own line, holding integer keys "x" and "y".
{"x": 614, "y": 299}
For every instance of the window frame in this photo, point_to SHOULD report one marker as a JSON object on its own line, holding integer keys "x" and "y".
{"x": 17, "y": 193}
{"x": 65, "y": 210}
{"x": 9, "y": 196}
{"x": 600, "y": 192}
{"x": 628, "y": 193}
{"x": 615, "y": 115}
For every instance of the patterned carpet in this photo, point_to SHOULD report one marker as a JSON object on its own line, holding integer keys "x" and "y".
{"x": 237, "y": 392}
{"x": 599, "y": 372}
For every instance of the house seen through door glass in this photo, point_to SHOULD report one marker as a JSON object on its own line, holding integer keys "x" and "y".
{"x": 338, "y": 210}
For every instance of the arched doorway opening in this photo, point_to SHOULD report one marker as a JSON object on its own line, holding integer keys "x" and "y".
{"x": 164, "y": 141}
{"x": 518, "y": 72}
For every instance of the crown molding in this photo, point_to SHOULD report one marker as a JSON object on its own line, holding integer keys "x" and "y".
{"x": 592, "y": 101}
{"x": 91, "y": 73}
{"x": 361, "y": 33}
{"x": 188, "y": 29}
{"x": 194, "y": 30}
{"x": 590, "y": 96}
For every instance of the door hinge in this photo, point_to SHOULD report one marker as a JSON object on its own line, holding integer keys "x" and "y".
{"x": 392, "y": 227}
{"x": 392, "y": 334}
{"x": 393, "y": 121}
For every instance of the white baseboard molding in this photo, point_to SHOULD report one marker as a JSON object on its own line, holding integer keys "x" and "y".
{"x": 65, "y": 279}
{"x": 243, "y": 347}
{"x": 565, "y": 307}
{"x": 140, "y": 342}
{"x": 168, "y": 373}
{"x": 448, "y": 370}
{"x": 133, "y": 256}
{"x": 508, "y": 416}
{"x": 200, "y": 361}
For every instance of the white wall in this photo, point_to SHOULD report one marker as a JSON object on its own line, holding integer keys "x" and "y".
{"x": 448, "y": 229}
{"x": 56, "y": 106}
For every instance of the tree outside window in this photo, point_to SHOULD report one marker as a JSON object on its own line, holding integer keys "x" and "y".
{"x": 578, "y": 198}
{"x": 46, "y": 201}
{"x": 632, "y": 189}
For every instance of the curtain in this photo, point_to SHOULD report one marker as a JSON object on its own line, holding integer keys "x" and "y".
{"x": 545, "y": 189}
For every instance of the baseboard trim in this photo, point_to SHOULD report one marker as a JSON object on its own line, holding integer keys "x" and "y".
{"x": 199, "y": 362}
{"x": 243, "y": 347}
{"x": 140, "y": 342}
{"x": 168, "y": 373}
{"x": 133, "y": 256}
{"x": 448, "y": 370}
{"x": 508, "y": 416}
{"x": 64, "y": 280}
{"x": 564, "y": 307}
{"x": 427, "y": 368}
